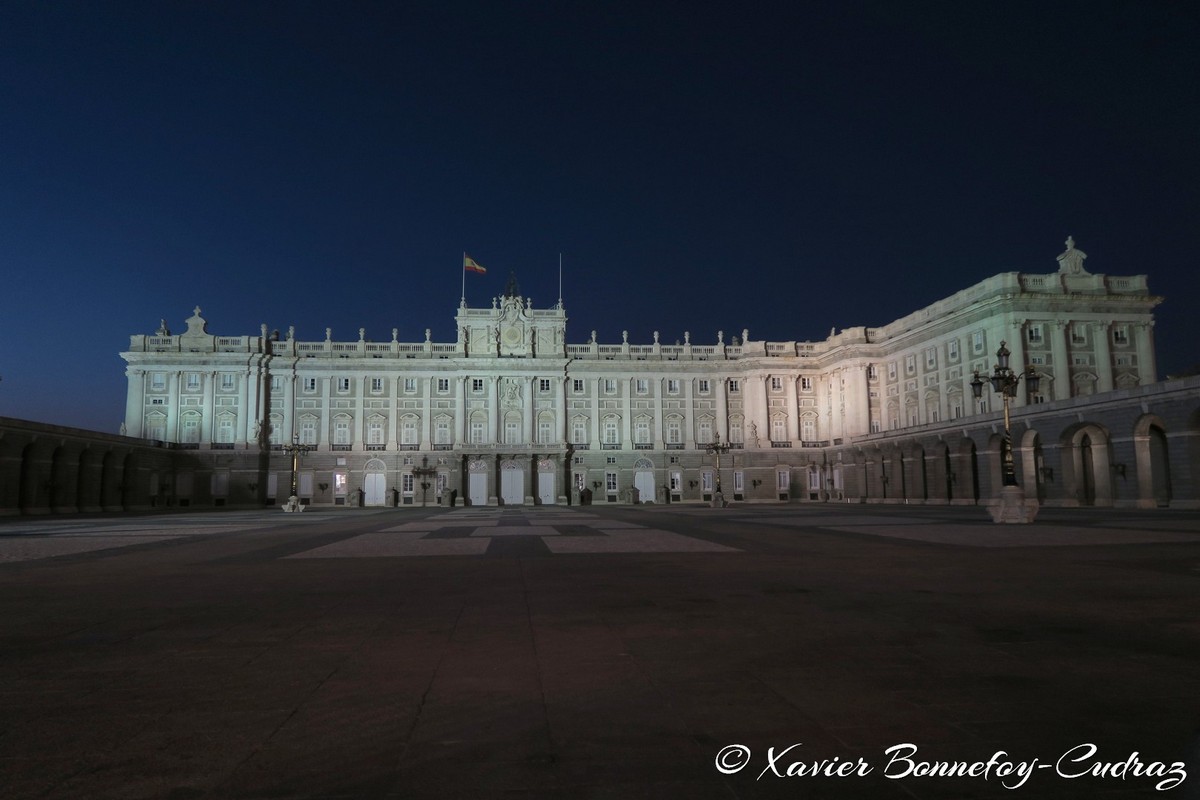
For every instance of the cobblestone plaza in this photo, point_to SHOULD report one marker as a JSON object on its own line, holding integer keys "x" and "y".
{"x": 597, "y": 652}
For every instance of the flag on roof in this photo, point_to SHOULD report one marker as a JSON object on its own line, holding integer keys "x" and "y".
{"x": 471, "y": 265}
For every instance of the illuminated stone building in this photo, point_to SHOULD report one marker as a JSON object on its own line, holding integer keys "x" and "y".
{"x": 512, "y": 413}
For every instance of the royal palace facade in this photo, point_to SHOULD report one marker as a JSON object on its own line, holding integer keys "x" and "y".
{"x": 512, "y": 413}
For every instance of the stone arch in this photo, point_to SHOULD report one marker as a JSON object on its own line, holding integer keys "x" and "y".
{"x": 1086, "y": 463}
{"x": 88, "y": 480}
{"x": 1153, "y": 463}
{"x": 916, "y": 479}
{"x": 968, "y": 471}
{"x": 1030, "y": 460}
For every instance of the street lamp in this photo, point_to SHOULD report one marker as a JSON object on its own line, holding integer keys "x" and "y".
{"x": 716, "y": 450}
{"x": 1005, "y": 382}
{"x": 424, "y": 472}
{"x": 296, "y": 449}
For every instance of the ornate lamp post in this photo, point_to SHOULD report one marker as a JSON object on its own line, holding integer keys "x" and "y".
{"x": 296, "y": 449}
{"x": 1005, "y": 381}
{"x": 716, "y": 450}
{"x": 424, "y": 473}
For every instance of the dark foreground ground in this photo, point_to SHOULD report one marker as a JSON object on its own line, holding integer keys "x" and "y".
{"x": 600, "y": 653}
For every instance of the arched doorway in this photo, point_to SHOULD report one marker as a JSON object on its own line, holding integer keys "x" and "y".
{"x": 512, "y": 483}
{"x": 643, "y": 480}
{"x": 477, "y": 482}
{"x": 546, "y": 482}
{"x": 1153, "y": 462}
{"x": 374, "y": 483}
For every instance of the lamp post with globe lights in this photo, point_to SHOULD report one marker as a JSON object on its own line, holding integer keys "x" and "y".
{"x": 1012, "y": 506}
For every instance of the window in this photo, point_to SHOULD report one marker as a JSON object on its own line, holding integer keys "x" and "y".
{"x": 1078, "y": 334}
{"x": 610, "y": 482}
{"x": 579, "y": 430}
{"x": 1034, "y": 334}
{"x": 341, "y": 431}
{"x": 408, "y": 431}
{"x": 776, "y": 383}
{"x": 892, "y": 370}
{"x": 676, "y": 482}
{"x": 952, "y": 349}
{"x": 193, "y": 381}
{"x": 406, "y": 483}
{"x": 672, "y": 386}
{"x": 873, "y": 372}
{"x": 806, "y": 384}
{"x": 611, "y": 433}
{"x": 443, "y": 385}
{"x": 783, "y": 480}
{"x": 814, "y": 479}
{"x": 476, "y": 385}
{"x": 375, "y": 432}
{"x": 191, "y": 428}
{"x": 1081, "y": 361}
{"x": 158, "y": 381}
{"x": 512, "y": 431}
{"x": 310, "y": 385}
{"x": 910, "y": 364}
{"x": 703, "y": 385}
{"x": 441, "y": 431}
{"x": 1037, "y": 360}
{"x": 308, "y": 431}
{"x": 545, "y": 431}
{"x": 343, "y": 384}
{"x": 641, "y": 432}
{"x": 410, "y": 385}
{"x": 1120, "y": 335}
{"x": 739, "y": 481}
{"x": 735, "y": 386}
{"x": 544, "y": 385}
{"x": 977, "y": 342}
{"x": 376, "y": 385}
{"x": 735, "y": 432}
{"x": 228, "y": 380}
{"x": 779, "y": 430}
{"x": 874, "y": 426}
{"x": 478, "y": 429}
{"x": 931, "y": 358}
{"x": 610, "y": 386}
{"x": 641, "y": 386}
{"x": 808, "y": 429}
{"x": 577, "y": 386}
{"x": 674, "y": 431}
{"x": 706, "y": 481}
{"x": 704, "y": 432}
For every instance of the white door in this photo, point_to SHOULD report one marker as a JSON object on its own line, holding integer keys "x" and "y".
{"x": 512, "y": 487}
{"x": 374, "y": 484}
{"x": 643, "y": 481}
{"x": 479, "y": 492}
{"x": 546, "y": 488}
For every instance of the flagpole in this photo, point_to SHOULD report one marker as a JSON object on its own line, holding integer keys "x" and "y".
{"x": 463, "y": 300}
{"x": 560, "y": 280}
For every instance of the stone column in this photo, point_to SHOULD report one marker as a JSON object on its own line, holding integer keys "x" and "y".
{"x": 1060, "y": 361}
{"x": 460, "y": 414}
{"x": 1104, "y": 368}
{"x": 208, "y": 422}
{"x": 530, "y": 417}
{"x": 494, "y": 412}
{"x": 791, "y": 384}
{"x": 172, "y": 433}
{"x": 135, "y": 402}
{"x": 1143, "y": 333}
{"x": 721, "y": 428}
{"x": 689, "y": 414}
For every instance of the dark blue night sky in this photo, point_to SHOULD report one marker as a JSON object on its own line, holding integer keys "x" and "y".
{"x": 787, "y": 167}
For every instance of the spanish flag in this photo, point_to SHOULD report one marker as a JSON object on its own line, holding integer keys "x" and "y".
{"x": 470, "y": 265}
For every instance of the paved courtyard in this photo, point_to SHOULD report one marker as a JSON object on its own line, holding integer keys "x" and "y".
{"x": 821, "y": 651}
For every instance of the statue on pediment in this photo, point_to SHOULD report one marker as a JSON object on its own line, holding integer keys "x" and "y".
{"x": 1071, "y": 261}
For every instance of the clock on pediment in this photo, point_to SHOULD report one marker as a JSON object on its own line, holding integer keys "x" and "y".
{"x": 513, "y": 328}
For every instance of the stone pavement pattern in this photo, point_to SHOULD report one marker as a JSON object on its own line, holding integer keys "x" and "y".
{"x": 598, "y": 652}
